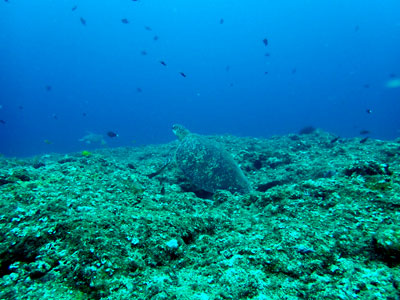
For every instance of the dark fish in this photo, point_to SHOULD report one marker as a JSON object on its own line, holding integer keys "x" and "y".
{"x": 367, "y": 85}
{"x": 227, "y": 68}
{"x": 221, "y": 21}
{"x": 83, "y": 21}
{"x": 55, "y": 117}
{"x": 112, "y": 134}
{"x": 364, "y": 140}
{"x": 368, "y": 111}
{"x": 357, "y": 28}
{"x": 2, "y": 121}
{"x": 125, "y": 21}
{"x": 134, "y": 0}
{"x": 267, "y": 54}
{"x": 84, "y": 114}
{"x": 392, "y": 75}
{"x": 139, "y": 90}
{"x": 6, "y": 1}
{"x": 20, "y": 107}
{"x": 48, "y": 88}
{"x": 363, "y": 132}
{"x": 266, "y": 73}
{"x": 294, "y": 71}
{"x": 182, "y": 74}
{"x": 143, "y": 52}
{"x": 334, "y": 140}
{"x": 74, "y": 8}
{"x": 265, "y": 41}
{"x": 147, "y": 28}
{"x": 307, "y": 130}
{"x": 155, "y": 38}
{"x": 163, "y": 63}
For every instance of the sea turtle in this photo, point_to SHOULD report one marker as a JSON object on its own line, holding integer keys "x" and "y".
{"x": 206, "y": 164}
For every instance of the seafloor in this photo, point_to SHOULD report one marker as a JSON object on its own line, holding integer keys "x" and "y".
{"x": 321, "y": 223}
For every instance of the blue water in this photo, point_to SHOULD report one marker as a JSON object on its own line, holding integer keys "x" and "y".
{"x": 329, "y": 61}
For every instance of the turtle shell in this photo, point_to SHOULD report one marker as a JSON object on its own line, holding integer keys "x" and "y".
{"x": 209, "y": 166}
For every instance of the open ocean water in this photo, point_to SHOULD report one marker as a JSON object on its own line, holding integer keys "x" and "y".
{"x": 245, "y": 68}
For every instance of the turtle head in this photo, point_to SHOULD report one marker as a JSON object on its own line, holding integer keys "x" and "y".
{"x": 180, "y": 131}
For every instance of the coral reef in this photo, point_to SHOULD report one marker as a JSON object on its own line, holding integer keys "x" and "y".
{"x": 321, "y": 223}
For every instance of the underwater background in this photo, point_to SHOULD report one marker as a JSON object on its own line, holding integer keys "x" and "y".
{"x": 246, "y": 68}
{"x": 289, "y": 190}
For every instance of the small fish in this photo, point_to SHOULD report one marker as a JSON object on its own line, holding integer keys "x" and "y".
{"x": 83, "y": 21}
{"x": 265, "y": 41}
{"x": 368, "y": 111}
{"x": 2, "y": 122}
{"x": 139, "y": 90}
{"x": 155, "y": 38}
{"x": 221, "y": 21}
{"x": 294, "y": 71}
{"x": 367, "y": 85}
{"x": 112, "y": 134}
{"x": 147, "y": 28}
{"x": 125, "y": 21}
{"x": 267, "y": 54}
{"x": 182, "y": 74}
{"x": 84, "y": 114}
{"x": 55, "y": 117}
{"x": 48, "y": 88}
{"x": 364, "y": 140}
{"x": 334, "y": 140}
{"x": 266, "y": 73}
{"x": 393, "y": 83}
{"x": 363, "y": 132}
{"x": 163, "y": 63}
{"x": 74, "y": 8}
{"x": 6, "y": 1}
{"x": 48, "y": 142}
{"x": 20, "y": 107}
{"x": 307, "y": 130}
{"x": 86, "y": 153}
{"x": 227, "y": 68}
{"x": 143, "y": 52}
{"x": 357, "y": 28}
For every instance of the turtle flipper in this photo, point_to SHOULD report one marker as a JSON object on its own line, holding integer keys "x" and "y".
{"x": 151, "y": 175}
